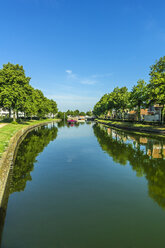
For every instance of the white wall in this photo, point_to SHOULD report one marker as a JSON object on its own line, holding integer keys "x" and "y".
{"x": 152, "y": 117}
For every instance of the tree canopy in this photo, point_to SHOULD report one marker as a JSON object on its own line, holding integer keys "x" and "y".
{"x": 142, "y": 94}
{"x": 157, "y": 83}
{"x": 16, "y": 94}
{"x": 138, "y": 96}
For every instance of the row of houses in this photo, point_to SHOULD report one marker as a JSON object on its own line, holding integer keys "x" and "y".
{"x": 79, "y": 118}
{"x": 4, "y": 113}
{"x": 152, "y": 113}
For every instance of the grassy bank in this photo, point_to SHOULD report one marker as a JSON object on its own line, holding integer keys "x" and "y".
{"x": 135, "y": 127}
{"x": 8, "y": 131}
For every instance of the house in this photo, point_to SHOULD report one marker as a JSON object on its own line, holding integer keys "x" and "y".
{"x": 4, "y": 112}
{"x": 81, "y": 118}
{"x": 133, "y": 115}
{"x": 153, "y": 113}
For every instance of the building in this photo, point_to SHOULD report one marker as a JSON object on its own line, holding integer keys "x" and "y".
{"x": 4, "y": 112}
{"x": 153, "y": 113}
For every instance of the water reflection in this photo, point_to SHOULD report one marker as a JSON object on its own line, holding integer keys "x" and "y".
{"x": 146, "y": 156}
{"x": 29, "y": 149}
{"x": 64, "y": 123}
{"x": 32, "y": 145}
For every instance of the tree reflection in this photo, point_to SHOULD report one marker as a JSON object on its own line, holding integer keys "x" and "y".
{"x": 145, "y": 155}
{"x": 32, "y": 145}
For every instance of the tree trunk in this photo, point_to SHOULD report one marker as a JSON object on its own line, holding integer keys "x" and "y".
{"x": 9, "y": 112}
{"x": 123, "y": 114}
{"x": 14, "y": 115}
{"x": 139, "y": 116}
{"x": 163, "y": 109}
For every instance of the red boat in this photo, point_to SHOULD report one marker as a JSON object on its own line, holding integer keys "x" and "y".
{"x": 71, "y": 121}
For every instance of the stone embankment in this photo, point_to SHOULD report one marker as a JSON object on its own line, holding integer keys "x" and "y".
{"x": 8, "y": 157}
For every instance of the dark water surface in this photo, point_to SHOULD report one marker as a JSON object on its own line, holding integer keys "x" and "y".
{"x": 86, "y": 186}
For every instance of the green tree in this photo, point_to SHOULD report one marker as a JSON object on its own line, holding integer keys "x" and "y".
{"x": 138, "y": 96}
{"x": 54, "y": 108}
{"x": 110, "y": 105}
{"x": 120, "y": 99}
{"x": 76, "y": 112}
{"x": 42, "y": 104}
{"x": 82, "y": 113}
{"x": 30, "y": 105}
{"x": 61, "y": 115}
{"x": 101, "y": 106}
{"x": 69, "y": 112}
{"x": 89, "y": 113}
{"x": 12, "y": 87}
{"x": 157, "y": 84}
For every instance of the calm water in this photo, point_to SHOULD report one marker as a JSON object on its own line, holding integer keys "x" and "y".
{"x": 86, "y": 186}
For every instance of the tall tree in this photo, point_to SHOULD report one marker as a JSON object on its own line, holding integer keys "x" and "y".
{"x": 12, "y": 87}
{"x": 30, "y": 105}
{"x": 54, "y": 108}
{"x": 41, "y": 104}
{"x": 157, "y": 84}
{"x": 101, "y": 106}
{"x": 76, "y": 112}
{"x": 89, "y": 113}
{"x": 138, "y": 96}
{"x": 120, "y": 99}
{"x": 82, "y": 113}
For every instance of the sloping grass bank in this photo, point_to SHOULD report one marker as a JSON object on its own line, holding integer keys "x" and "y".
{"x": 8, "y": 131}
{"x": 135, "y": 127}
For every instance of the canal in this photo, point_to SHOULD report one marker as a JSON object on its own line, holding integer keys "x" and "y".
{"x": 85, "y": 186}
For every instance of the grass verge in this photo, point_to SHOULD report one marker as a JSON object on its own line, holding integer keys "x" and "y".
{"x": 136, "y": 125}
{"x": 156, "y": 131}
{"x": 8, "y": 131}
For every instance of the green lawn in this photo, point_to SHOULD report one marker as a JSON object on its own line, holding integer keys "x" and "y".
{"x": 8, "y": 131}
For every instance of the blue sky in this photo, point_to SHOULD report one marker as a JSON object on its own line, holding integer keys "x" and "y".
{"x": 77, "y": 50}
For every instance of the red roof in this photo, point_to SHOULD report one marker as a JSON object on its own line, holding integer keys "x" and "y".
{"x": 142, "y": 112}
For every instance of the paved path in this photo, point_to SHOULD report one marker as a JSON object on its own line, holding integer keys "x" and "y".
{"x": 3, "y": 124}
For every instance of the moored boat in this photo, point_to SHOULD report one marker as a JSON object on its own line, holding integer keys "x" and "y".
{"x": 71, "y": 121}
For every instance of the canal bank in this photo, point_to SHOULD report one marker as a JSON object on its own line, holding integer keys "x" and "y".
{"x": 8, "y": 156}
{"x": 159, "y": 131}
